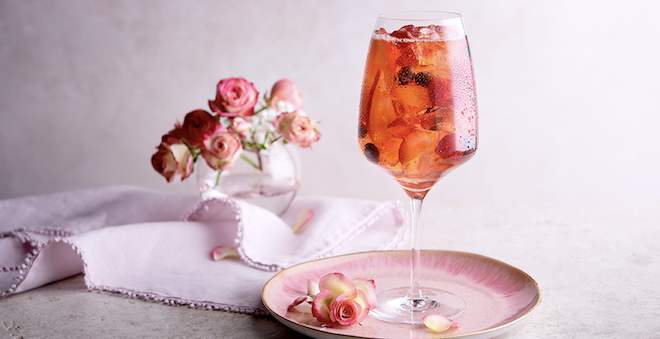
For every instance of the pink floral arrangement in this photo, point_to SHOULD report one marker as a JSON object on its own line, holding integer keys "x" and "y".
{"x": 234, "y": 126}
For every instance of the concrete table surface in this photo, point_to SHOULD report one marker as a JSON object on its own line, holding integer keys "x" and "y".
{"x": 598, "y": 266}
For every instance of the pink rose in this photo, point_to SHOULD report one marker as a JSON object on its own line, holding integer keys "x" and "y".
{"x": 342, "y": 301}
{"x": 172, "y": 158}
{"x": 287, "y": 91}
{"x": 195, "y": 126}
{"x": 234, "y": 97}
{"x": 221, "y": 149}
{"x": 297, "y": 128}
{"x": 240, "y": 126}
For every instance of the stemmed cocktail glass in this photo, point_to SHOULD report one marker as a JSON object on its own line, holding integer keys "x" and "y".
{"x": 418, "y": 121}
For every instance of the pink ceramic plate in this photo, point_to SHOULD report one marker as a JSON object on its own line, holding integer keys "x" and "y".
{"x": 498, "y": 296}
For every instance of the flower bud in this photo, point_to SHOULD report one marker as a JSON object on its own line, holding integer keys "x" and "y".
{"x": 287, "y": 91}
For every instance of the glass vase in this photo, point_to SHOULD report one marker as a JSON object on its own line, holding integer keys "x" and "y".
{"x": 268, "y": 178}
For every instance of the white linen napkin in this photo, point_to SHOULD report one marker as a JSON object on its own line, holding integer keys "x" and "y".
{"x": 157, "y": 246}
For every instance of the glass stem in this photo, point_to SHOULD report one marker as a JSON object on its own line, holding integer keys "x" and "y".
{"x": 415, "y": 297}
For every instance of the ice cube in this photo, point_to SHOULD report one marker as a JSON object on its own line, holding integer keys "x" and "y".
{"x": 429, "y": 32}
{"x": 430, "y": 118}
{"x": 400, "y": 128}
{"x": 409, "y": 100}
{"x": 389, "y": 152}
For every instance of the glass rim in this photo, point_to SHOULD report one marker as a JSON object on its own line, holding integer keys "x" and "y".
{"x": 419, "y": 15}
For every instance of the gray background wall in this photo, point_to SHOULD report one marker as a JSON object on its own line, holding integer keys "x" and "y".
{"x": 568, "y": 91}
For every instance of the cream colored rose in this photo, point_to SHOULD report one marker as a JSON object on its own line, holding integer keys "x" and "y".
{"x": 240, "y": 126}
{"x": 221, "y": 149}
{"x": 172, "y": 158}
{"x": 342, "y": 301}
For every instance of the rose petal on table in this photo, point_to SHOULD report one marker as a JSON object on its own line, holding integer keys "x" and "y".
{"x": 222, "y": 252}
{"x": 438, "y": 322}
{"x": 304, "y": 217}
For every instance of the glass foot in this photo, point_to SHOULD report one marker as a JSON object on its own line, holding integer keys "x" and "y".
{"x": 394, "y": 306}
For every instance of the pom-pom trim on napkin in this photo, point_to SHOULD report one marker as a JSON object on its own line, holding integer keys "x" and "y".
{"x": 42, "y": 242}
{"x": 24, "y": 269}
{"x": 23, "y": 235}
{"x": 205, "y": 206}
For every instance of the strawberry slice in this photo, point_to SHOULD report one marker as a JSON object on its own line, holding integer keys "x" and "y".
{"x": 406, "y": 32}
{"x": 446, "y": 147}
{"x": 428, "y": 120}
{"x": 440, "y": 92}
{"x": 408, "y": 57}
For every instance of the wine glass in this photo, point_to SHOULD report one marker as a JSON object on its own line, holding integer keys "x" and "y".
{"x": 418, "y": 121}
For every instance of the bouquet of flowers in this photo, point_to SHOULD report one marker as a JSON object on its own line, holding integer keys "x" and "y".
{"x": 234, "y": 126}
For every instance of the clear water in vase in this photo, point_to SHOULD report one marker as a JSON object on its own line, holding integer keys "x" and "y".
{"x": 269, "y": 179}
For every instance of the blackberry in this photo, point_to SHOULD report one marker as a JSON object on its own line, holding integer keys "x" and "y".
{"x": 371, "y": 152}
{"x": 423, "y": 78}
{"x": 405, "y": 75}
{"x": 362, "y": 131}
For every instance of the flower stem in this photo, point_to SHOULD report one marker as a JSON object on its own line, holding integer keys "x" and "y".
{"x": 249, "y": 161}
{"x": 260, "y": 110}
{"x": 217, "y": 179}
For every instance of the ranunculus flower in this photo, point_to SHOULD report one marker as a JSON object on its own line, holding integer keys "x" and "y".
{"x": 172, "y": 158}
{"x": 176, "y": 133}
{"x": 196, "y": 125}
{"x": 240, "y": 126}
{"x": 221, "y": 148}
{"x": 287, "y": 91}
{"x": 297, "y": 128}
{"x": 342, "y": 301}
{"x": 234, "y": 97}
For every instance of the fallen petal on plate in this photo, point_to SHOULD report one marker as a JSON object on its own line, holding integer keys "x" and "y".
{"x": 304, "y": 217}
{"x": 302, "y": 317}
{"x": 299, "y": 301}
{"x": 222, "y": 252}
{"x": 438, "y": 322}
{"x": 312, "y": 288}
